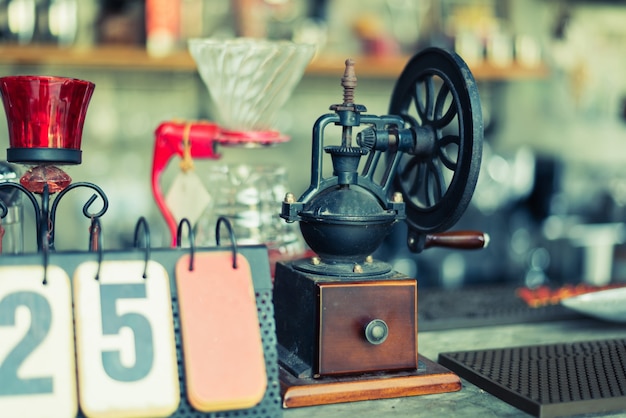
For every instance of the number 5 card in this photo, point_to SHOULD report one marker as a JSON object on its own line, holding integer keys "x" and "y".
{"x": 125, "y": 340}
{"x": 37, "y": 370}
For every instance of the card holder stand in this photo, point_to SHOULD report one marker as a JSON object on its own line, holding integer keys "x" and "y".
{"x": 257, "y": 257}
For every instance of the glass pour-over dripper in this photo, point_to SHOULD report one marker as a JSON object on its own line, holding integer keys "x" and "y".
{"x": 249, "y": 80}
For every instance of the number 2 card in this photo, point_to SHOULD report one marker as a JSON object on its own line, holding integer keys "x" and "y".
{"x": 37, "y": 368}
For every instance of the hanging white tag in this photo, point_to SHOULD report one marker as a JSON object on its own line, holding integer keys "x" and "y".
{"x": 187, "y": 197}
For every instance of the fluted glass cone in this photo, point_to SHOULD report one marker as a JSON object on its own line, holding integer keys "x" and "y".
{"x": 249, "y": 80}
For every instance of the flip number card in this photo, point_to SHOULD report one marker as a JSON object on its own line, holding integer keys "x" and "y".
{"x": 221, "y": 337}
{"x": 37, "y": 370}
{"x": 125, "y": 342}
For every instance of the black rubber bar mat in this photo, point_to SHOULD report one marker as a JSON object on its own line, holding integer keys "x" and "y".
{"x": 552, "y": 380}
{"x": 478, "y": 306}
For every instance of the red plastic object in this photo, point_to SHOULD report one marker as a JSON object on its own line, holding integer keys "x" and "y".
{"x": 202, "y": 136}
{"x": 544, "y": 295}
{"x": 228, "y": 137}
{"x": 44, "y": 111}
{"x": 170, "y": 141}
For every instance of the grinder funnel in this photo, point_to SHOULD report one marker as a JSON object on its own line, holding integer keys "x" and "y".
{"x": 249, "y": 79}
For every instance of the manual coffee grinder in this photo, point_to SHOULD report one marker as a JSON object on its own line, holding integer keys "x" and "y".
{"x": 248, "y": 80}
{"x": 45, "y": 116}
{"x": 346, "y": 323}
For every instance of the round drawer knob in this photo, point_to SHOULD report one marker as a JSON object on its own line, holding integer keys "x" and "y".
{"x": 376, "y": 331}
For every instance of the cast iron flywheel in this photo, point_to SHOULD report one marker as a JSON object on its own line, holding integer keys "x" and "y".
{"x": 437, "y": 95}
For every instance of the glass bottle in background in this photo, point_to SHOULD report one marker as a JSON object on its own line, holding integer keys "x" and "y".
{"x": 4, "y": 21}
{"x": 62, "y": 17}
{"x": 11, "y": 226}
{"x": 21, "y": 20}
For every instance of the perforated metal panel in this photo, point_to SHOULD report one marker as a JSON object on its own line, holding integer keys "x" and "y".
{"x": 270, "y": 406}
{"x": 549, "y": 380}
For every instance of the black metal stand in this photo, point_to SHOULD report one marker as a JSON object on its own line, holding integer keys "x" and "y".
{"x": 45, "y": 214}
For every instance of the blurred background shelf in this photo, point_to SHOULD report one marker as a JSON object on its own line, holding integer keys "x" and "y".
{"x": 106, "y": 57}
{"x": 390, "y": 67}
{"x": 136, "y": 58}
{"x": 554, "y": 162}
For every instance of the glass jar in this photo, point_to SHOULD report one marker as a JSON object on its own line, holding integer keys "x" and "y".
{"x": 250, "y": 197}
{"x": 11, "y": 226}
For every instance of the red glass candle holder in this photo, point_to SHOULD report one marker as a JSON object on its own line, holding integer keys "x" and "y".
{"x": 45, "y": 117}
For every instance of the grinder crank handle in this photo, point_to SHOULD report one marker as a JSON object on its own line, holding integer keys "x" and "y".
{"x": 461, "y": 240}
{"x": 177, "y": 138}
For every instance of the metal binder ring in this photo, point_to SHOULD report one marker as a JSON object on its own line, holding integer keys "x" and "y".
{"x": 179, "y": 233}
{"x": 146, "y": 241}
{"x": 86, "y": 207}
{"x": 233, "y": 241}
{"x": 45, "y": 250}
{"x": 95, "y": 241}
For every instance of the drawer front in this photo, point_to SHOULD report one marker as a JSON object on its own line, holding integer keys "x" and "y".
{"x": 367, "y": 327}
